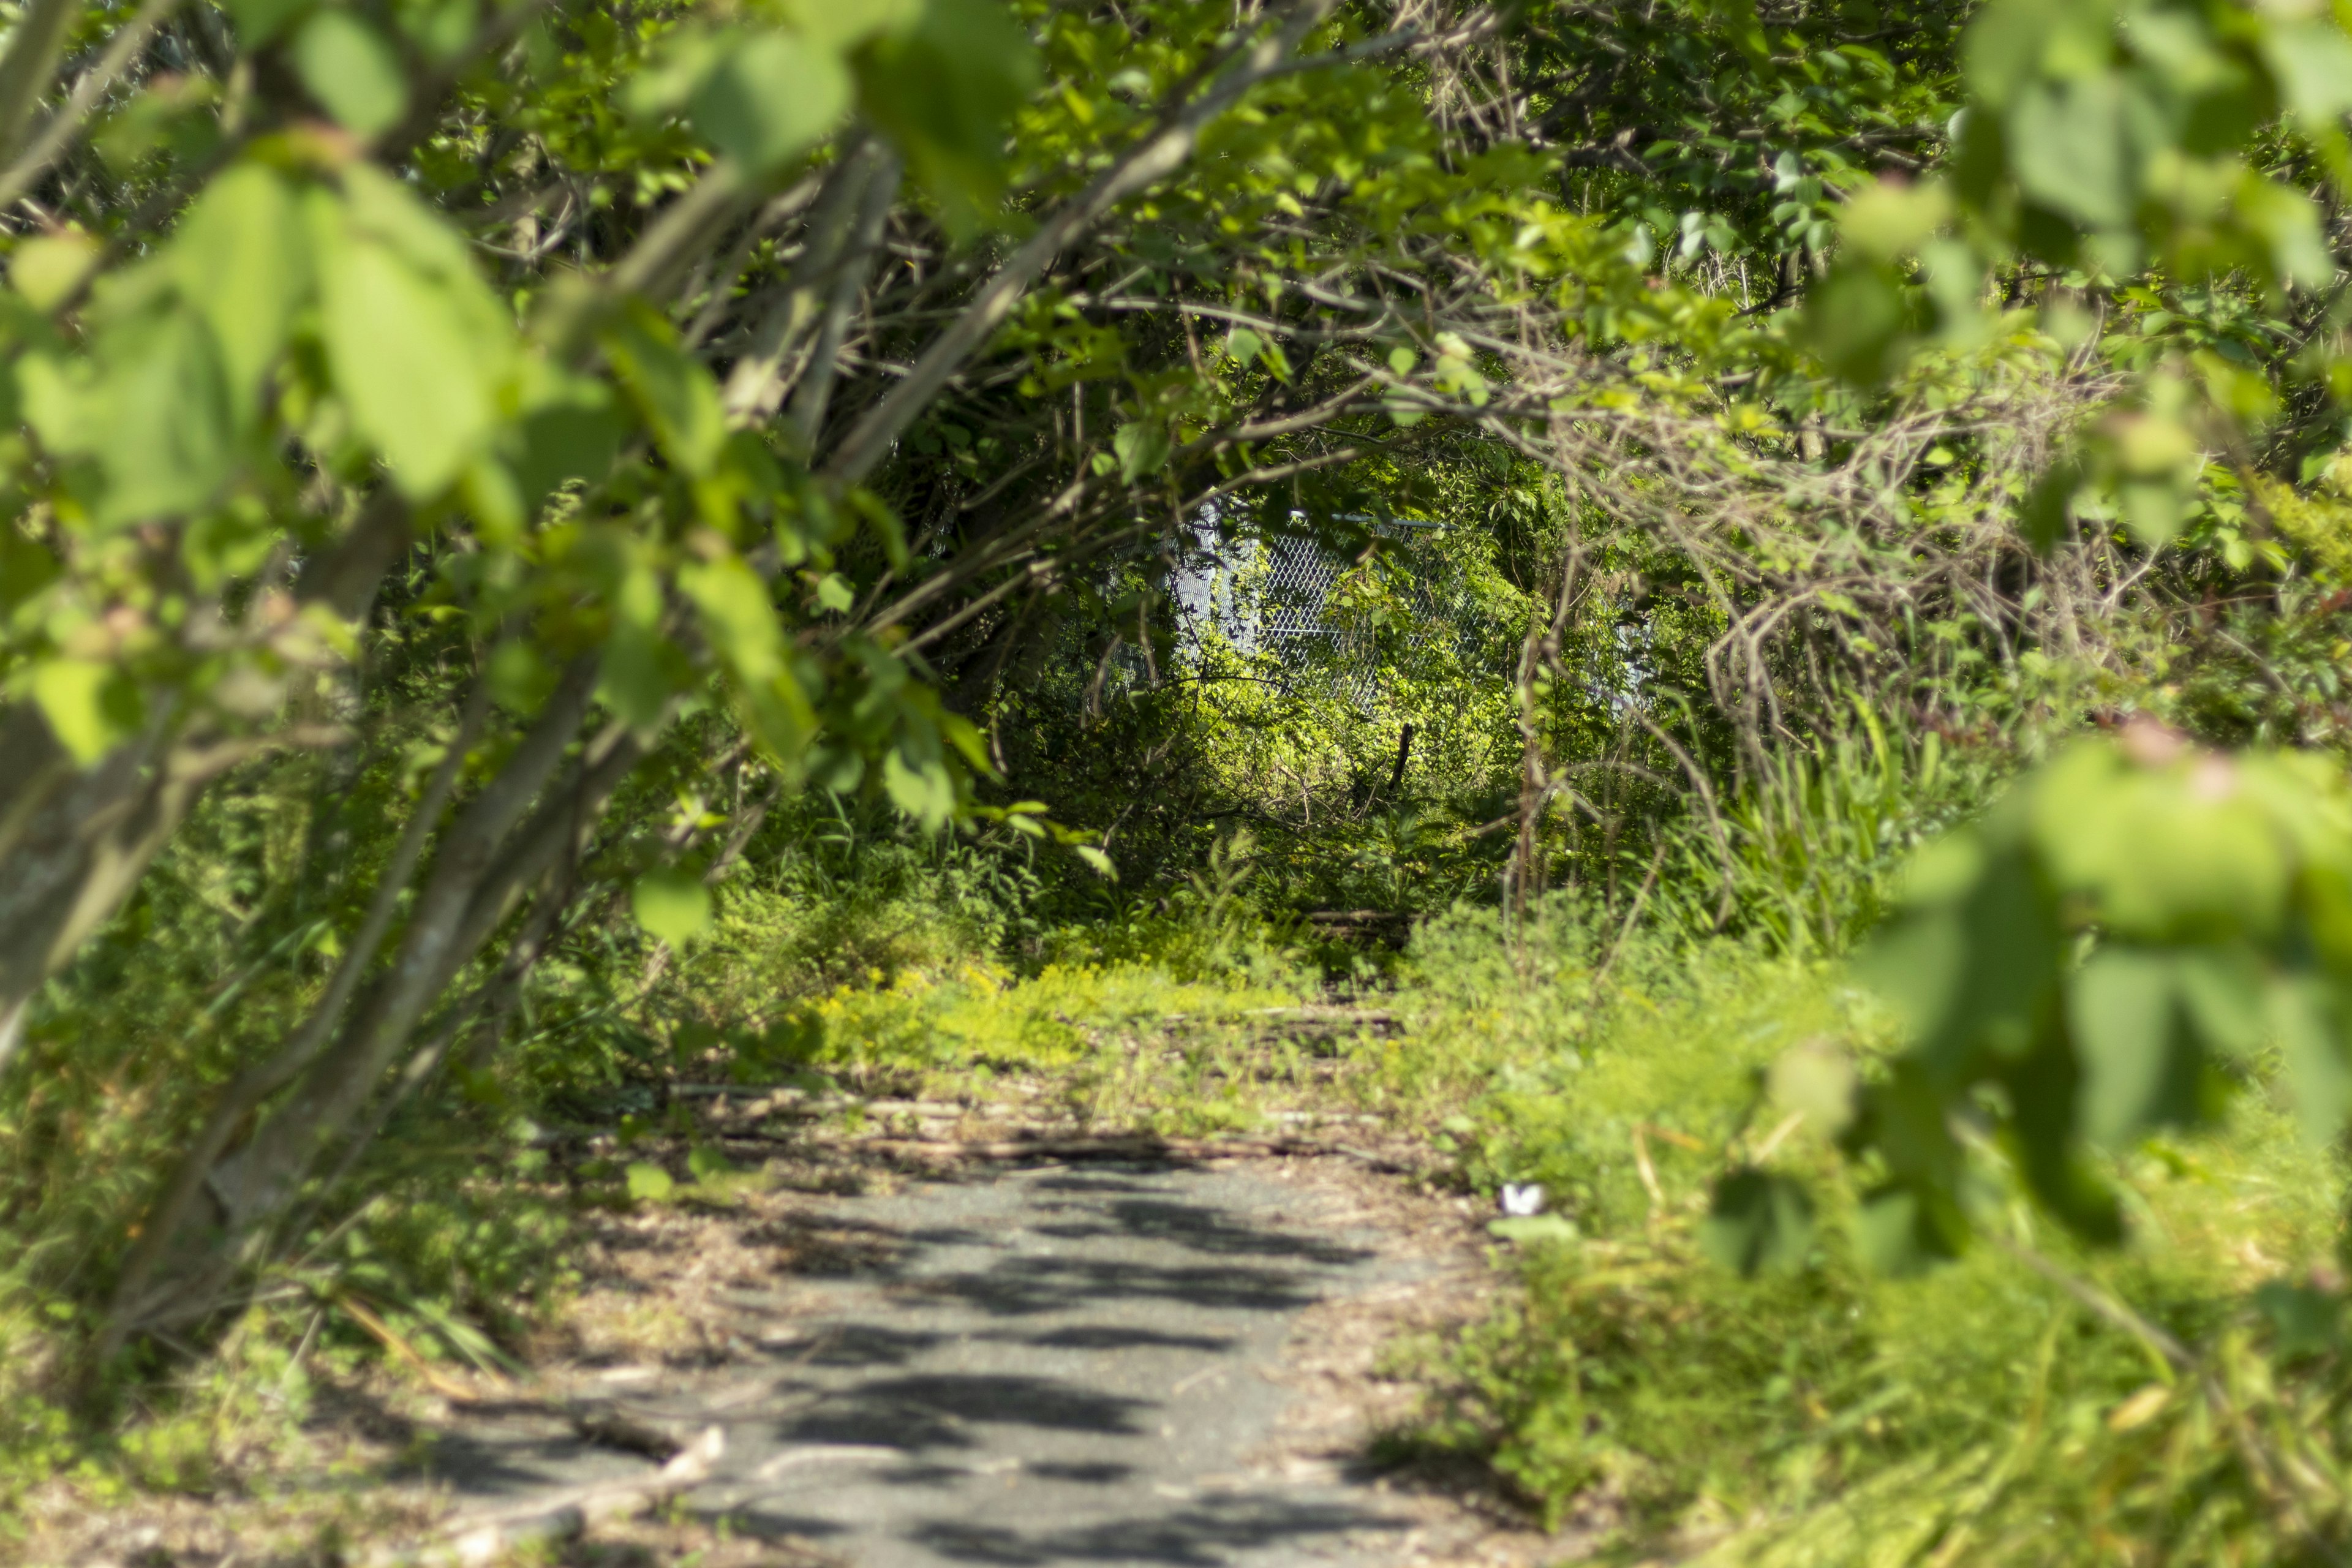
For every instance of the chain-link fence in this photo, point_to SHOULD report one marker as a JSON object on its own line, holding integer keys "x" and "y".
{"x": 1273, "y": 595}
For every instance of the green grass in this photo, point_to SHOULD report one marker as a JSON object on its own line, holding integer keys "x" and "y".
{"x": 1627, "y": 1388}
{"x": 1979, "y": 1414}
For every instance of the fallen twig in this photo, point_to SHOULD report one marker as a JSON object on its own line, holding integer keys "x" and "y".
{"x": 481, "y": 1538}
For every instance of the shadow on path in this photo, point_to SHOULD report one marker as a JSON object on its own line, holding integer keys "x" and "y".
{"x": 1052, "y": 1366}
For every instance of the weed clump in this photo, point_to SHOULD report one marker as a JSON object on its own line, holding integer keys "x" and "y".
{"x": 2014, "y": 1406}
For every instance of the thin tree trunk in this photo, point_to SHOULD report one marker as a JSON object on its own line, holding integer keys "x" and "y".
{"x": 255, "y": 1184}
{"x": 75, "y": 843}
{"x": 161, "y": 1227}
{"x": 82, "y": 844}
{"x": 761, "y": 377}
{"x": 815, "y": 393}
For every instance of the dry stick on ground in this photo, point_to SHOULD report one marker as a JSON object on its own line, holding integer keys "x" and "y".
{"x": 483, "y": 1538}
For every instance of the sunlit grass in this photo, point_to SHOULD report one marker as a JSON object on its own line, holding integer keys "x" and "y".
{"x": 1980, "y": 1413}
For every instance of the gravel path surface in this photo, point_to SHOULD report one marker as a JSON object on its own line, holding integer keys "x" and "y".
{"x": 1069, "y": 1364}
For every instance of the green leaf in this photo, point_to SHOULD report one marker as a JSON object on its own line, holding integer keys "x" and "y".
{"x": 406, "y": 359}
{"x": 1534, "y": 1230}
{"x": 635, "y": 678}
{"x": 923, "y": 790}
{"x": 1244, "y": 345}
{"x": 768, "y": 96}
{"x": 1884, "y": 220}
{"x": 2311, "y": 61}
{"x": 258, "y": 21}
{"x": 739, "y": 621}
{"x": 661, "y": 88}
{"x": 706, "y": 1163}
{"x": 1141, "y": 449}
{"x": 1856, "y": 319}
{"x": 227, "y": 542}
{"x": 47, "y": 268}
{"x": 649, "y": 1183}
{"x": 91, "y": 708}
{"x": 2303, "y": 1321}
{"x": 577, "y": 438}
{"x": 2304, "y": 1021}
{"x": 1738, "y": 22}
{"x": 241, "y": 261}
{"x": 888, "y": 531}
{"x": 382, "y": 207}
{"x": 441, "y": 29}
{"x": 2041, "y": 517}
{"x": 2139, "y": 1068}
{"x": 2290, "y": 226}
{"x": 671, "y": 388}
{"x": 1816, "y": 1079}
{"x": 25, "y": 568}
{"x": 1759, "y": 1222}
{"x": 518, "y": 677}
{"x": 736, "y": 615}
{"x": 2043, "y": 1086}
{"x": 843, "y": 25}
{"x": 151, "y": 405}
{"x": 353, "y": 70}
{"x": 944, "y": 86}
{"x": 672, "y": 905}
{"x": 2221, "y": 991}
{"x": 835, "y": 594}
{"x": 1956, "y": 977}
{"x": 1895, "y": 1233}
{"x": 2069, "y": 149}
{"x": 1101, "y": 863}
{"x": 2223, "y": 868}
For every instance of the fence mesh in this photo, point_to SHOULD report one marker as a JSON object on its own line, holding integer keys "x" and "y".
{"x": 1274, "y": 596}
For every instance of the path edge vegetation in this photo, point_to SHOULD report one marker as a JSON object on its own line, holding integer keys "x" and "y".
{"x": 490, "y": 485}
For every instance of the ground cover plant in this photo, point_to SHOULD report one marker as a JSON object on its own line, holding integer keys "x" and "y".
{"x": 2018, "y": 1405}
{"x": 1725, "y": 618}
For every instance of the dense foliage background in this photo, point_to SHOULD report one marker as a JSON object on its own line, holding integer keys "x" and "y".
{"x": 559, "y": 551}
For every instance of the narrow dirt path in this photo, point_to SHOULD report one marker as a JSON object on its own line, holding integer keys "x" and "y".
{"x": 1099, "y": 1363}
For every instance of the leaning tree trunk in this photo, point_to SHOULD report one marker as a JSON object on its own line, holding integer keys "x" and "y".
{"x": 213, "y": 1220}
{"x": 74, "y": 842}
